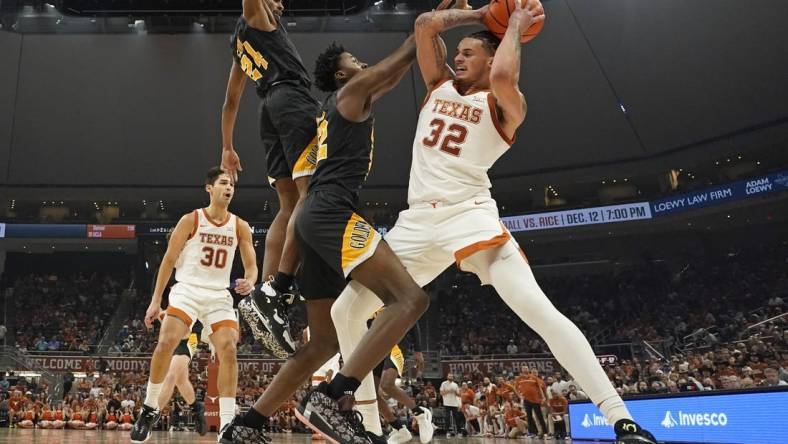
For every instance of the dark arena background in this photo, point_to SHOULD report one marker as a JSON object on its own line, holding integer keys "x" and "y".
{"x": 647, "y": 186}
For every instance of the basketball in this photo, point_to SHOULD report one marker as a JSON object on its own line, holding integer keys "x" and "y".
{"x": 497, "y": 20}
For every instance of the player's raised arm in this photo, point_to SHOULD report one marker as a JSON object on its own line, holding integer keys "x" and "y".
{"x": 232, "y": 101}
{"x": 355, "y": 98}
{"x": 261, "y": 13}
{"x": 244, "y": 286}
{"x": 183, "y": 230}
{"x": 505, "y": 71}
{"x": 431, "y": 48}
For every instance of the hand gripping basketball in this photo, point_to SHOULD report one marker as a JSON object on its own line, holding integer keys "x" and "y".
{"x": 503, "y": 13}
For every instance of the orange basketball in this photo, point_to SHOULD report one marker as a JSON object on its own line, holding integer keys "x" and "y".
{"x": 497, "y": 19}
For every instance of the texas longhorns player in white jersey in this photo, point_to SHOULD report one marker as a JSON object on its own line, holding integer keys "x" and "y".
{"x": 467, "y": 122}
{"x": 202, "y": 248}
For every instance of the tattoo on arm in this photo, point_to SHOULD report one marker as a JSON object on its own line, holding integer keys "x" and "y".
{"x": 453, "y": 17}
{"x": 437, "y": 47}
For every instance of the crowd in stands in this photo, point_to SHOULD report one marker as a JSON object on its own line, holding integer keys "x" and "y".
{"x": 653, "y": 301}
{"x": 719, "y": 320}
{"x": 113, "y": 400}
{"x": 63, "y": 312}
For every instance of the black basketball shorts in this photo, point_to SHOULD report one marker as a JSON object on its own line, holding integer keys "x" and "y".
{"x": 333, "y": 239}
{"x": 288, "y": 130}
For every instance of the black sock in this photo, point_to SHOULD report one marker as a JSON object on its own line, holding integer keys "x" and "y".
{"x": 254, "y": 419}
{"x": 342, "y": 385}
{"x": 282, "y": 282}
{"x": 397, "y": 424}
{"x": 417, "y": 411}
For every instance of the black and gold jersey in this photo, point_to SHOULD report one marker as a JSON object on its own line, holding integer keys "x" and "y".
{"x": 345, "y": 149}
{"x": 267, "y": 57}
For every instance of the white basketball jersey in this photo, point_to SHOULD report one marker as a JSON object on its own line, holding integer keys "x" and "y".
{"x": 458, "y": 138}
{"x": 207, "y": 258}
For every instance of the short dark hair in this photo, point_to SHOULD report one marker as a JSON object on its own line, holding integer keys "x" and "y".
{"x": 326, "y": 66}
{"x": 213, "y": 174}
{"x": 488, "y": 39}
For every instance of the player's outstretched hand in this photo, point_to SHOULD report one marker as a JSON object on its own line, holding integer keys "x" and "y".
{"x": 231, "y": 163}
{"x": 151, "y": 314}
{"x": 533, "y": 12}
{"x": 243, "y": 286}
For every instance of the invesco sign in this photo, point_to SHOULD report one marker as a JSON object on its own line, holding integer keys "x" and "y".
{"x": 694, "y": 420}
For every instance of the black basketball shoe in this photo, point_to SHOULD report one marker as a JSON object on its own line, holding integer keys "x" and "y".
{"x": 237, "y": 433}
{"x": 144, "y": 425}
{"x": 629, "y": 432}
{"x": 335, "y": 420}
{"x": 265, "y": 311}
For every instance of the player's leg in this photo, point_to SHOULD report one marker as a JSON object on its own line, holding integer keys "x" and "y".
{"x": 297, "y": 369}
{"x": 298, "y": 134}
{"x": 507, "y": 269}
{"x": 357, "y": 303}
{"x": 350, "y": 314}
{"x": 224, "y": 339}
{"x": 281, "y": 180}
{"x": 267, "y": 306}
{"x": 320, "y": 348}
{"x": 405, "y": 302}
{"x": 288, "y": 263}
{"x": 185, "y": 387}
{"x": 295, "y": 120}
{"x": 295, "y": 123}
{"x": 174, "y": 327}
{"x": 177, "y": 366}
{"x": 387, "y": 384}
{"x": 374, "y": 265}
{"x": 287, "y": 194}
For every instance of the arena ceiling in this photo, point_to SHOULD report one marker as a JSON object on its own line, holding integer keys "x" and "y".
{"x": 615, "y": 88}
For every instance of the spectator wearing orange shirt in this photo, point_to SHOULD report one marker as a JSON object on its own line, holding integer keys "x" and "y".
{"x": 506, "y": 391}
{"x": 15, "y": 406}
{"x": 468, "y": 407}
{"x": 559, "y": 418}
{"x": 515, "y": 420}
{"x": 532, "y": 391}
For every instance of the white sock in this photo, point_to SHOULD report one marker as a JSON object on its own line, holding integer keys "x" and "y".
{"x": 512, "y": 278}
{"x": 152, "y": 394}
{"x": 226, "y": 411}
{"x": 371, "y": 417}
{"x": 350, "y": 313}
{"x": 614, "y": 410}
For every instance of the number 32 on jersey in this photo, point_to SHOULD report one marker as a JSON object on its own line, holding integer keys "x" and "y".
{"x": 450, "y": 137}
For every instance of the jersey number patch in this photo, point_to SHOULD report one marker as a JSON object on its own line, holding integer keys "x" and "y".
{"x": 214, "y": 257}
{"x": 455, "y": 135}
{"x": 250, "y": 65}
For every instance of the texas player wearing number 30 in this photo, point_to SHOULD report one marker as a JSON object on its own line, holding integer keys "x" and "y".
{"x": 201, "y": 248}
{"x": 467, "y": 122}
